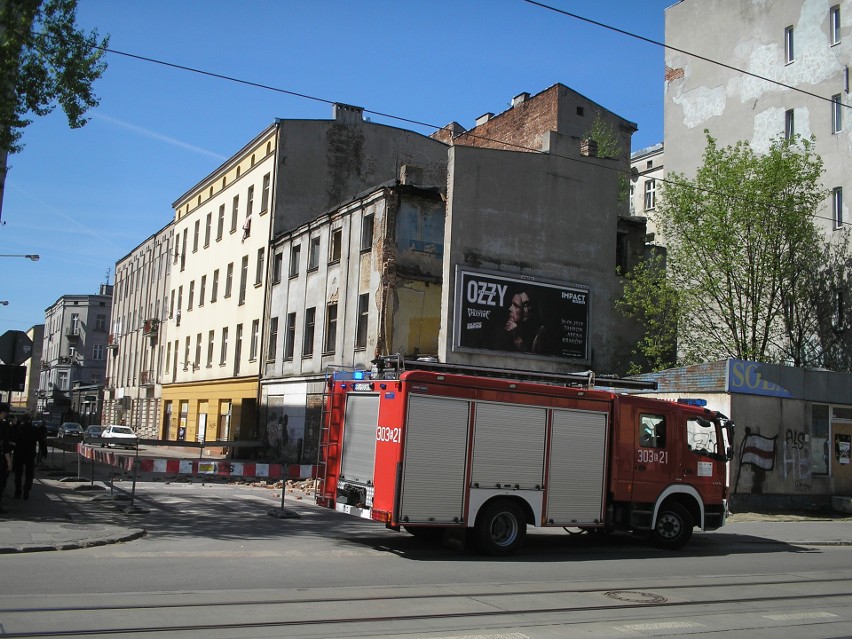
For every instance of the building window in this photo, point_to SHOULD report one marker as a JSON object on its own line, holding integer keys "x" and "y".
{"x": 295, "y": 253}
{"x": 330, "y": 327}
{"x": 191, "y": 295}
{"x": 290, "y": 337}
{"x": 277, "y": 262}
{"x": 223, "y": 352}
{"x": 207, "y": 228}
{"x": 197, "y": 362}
{"x": 201, "y": 290}
{"x": 211, "y": 336}
{"x": 100, "y": 323}
{"x": 229, "y": 280}
{"x": 313, "y": 254}
{"x": 363, "y": 317}
{"x": 195, "y": 235}
{"x": 255, "y": 334}
{"x": 839, "y": 311}
{"x": 186, "y": 353}
{"x": 243, "y": 278}
{"x": 820, "y": 439}
{"x": 258, "y": 276}
{"x": 789, "y": 52}
{"x": 273, "y": 339}
{"x": 238, "y": 349}
{"x": 98, "y": 352}
{"x": 789, "y": 124}
{"x": 62, "y": 380}
{"x": 183, "y": 251}
{"x": 836, "y": 114}
{"x": 367, "y": 233}
{"x": 837, "y": 206}
{"x": 834, "y": 24}
{"x": 308, "y": 337}
{"x": 650, "y": 194}
{"x": 214, "y": 290}
{"x": 335, "y": 248}
{"x": 235, "y": 211}
{"x": 264, "y": 195}
{"x": 220, "y": 223}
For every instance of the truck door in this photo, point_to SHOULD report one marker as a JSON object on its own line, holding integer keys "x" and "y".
{"x": 655, "y": 463}
{"x": 359, "y": 438}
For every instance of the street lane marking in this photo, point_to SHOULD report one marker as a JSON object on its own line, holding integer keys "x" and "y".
{"x": 800, "y": 615}
{"x": 663, "y": 625}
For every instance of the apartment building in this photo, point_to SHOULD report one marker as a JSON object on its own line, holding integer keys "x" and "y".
{"x": 410, "y": 269}
{"x": 287, "y": 175}
{"x": 74, "y": 349}
{"x": 796, "y": 54}
{"x": 646, "y": 168}
{"x": 133, "y": 386}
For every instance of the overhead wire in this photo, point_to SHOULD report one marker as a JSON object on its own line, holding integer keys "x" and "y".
{"x": 629, "y": 173}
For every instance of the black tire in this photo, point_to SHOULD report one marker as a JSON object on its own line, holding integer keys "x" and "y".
{"x": 673, "y": 527}
{"x": 500, "y": 528}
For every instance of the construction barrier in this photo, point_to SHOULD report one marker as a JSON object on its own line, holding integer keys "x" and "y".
{"x": 198, "y": 467}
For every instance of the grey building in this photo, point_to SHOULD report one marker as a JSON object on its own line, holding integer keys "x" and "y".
{"x": 133, "y": 383}
{"x": 797, "y": 55}
{"x": 74, "y": 354}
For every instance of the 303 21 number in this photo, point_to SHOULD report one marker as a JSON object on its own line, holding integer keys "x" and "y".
{"x": 387, "y": 434}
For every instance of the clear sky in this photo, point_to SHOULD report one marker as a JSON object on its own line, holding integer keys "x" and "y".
{"x": 83, "y": 199}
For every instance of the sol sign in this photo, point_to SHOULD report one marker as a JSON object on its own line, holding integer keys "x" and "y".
{"x": 745, "y": 377}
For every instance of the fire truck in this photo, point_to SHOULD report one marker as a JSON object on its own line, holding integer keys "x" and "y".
{"x": 483, "y": 458}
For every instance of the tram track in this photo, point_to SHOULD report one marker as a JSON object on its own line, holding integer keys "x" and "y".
{"x": 223, "y": 616}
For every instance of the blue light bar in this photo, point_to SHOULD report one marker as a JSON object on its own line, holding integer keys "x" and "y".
{"x": 692, "y": 402}
{"x": 358, "y": 375}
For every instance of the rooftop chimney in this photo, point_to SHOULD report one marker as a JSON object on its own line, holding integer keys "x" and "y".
{"x": 347, "y": 113}
{"x": 482, "y": 119}
{"x": 520, "y": 99}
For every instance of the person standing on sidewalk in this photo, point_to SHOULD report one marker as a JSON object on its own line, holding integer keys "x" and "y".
{"x": 6, "y": 447}
{"x": 26, "y": 439}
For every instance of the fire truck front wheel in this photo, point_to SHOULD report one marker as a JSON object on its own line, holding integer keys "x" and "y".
{"x": 673, "y": 527}
{"x": 500, "y": 528}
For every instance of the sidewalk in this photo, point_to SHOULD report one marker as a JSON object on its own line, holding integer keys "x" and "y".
{"x": 63, "y": 515}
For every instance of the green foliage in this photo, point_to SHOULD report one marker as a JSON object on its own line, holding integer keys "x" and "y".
{"x": 650, "y": 300}
{"x": 45, "y": 61}
{"x": 754, "y": 276}
{"x": 609, "y": 146}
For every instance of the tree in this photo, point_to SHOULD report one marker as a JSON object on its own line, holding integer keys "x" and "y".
{"x": 44, "y": 61}
{"x": 746, "y": 257}
{"x": 650, "y": 300}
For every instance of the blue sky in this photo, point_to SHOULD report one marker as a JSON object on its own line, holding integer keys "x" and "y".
{"x": 82, "y": 199}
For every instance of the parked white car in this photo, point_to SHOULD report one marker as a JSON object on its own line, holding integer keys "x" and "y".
{"x": 115, "y": 435}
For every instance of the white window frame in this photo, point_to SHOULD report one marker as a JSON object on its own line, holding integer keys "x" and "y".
{"x": 836, "y": 113}
{"x": 650, "y": 199}
{"x": 837, "y": 207}
{"x": 834, "y": 24}
{"x": 789, "y": 45}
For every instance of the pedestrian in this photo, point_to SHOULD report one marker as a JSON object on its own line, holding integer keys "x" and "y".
{"x": 6, "y": 446}
{"x": 26, "y": 439}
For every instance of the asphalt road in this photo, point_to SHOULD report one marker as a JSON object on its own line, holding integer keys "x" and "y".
{"x": 214, "y": 563}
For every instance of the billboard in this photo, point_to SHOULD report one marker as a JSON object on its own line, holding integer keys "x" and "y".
{"x": 512, "y": 315}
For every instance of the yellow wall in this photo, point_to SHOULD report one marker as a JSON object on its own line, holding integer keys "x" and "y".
{"x": 212, "y": 399}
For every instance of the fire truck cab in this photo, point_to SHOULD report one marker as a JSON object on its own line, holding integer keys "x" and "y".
{"x": 432, "y": 452}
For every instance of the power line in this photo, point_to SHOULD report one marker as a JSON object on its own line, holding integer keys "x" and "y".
{"x": 628, "y": 173}
{"x": 683, "y": 51}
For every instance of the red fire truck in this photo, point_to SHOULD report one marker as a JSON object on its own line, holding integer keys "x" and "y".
{"x": 434, "y": 452}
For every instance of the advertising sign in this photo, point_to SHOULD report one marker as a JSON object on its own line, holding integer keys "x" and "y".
{"x": 512, "y": 315}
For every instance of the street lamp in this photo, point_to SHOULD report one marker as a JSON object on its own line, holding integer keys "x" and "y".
{"x": 34, "y": 258}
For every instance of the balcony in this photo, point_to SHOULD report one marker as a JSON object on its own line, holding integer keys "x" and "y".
{"x": 72, "y": 332}
{"x": 151, "y": 328}
{"x": 146, "y": 379}
{"x": 112, "y": 341}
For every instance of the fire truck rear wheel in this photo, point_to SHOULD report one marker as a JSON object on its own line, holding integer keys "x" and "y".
{"x": 673, "y": 527}
{"x": 500, "y": 528}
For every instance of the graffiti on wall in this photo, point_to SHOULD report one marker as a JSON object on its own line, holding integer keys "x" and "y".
{"x": 797, "y": 459}
{"x": 758, "y": 454}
